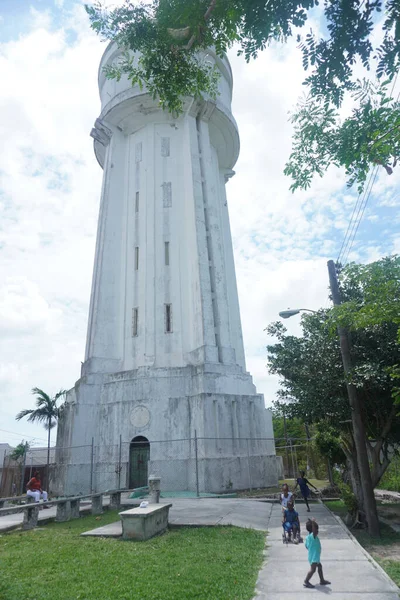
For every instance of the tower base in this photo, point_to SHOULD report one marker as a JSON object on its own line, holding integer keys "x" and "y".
{"x": 199, "y": 428}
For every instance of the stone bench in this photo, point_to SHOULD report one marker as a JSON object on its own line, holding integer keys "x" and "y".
{"x": 144, "y": 523}
{"x": 67, "y": 509}
{"x": 115, "y": 499}
{"x": 30, "y": 510}
{"x": 4, "y": 501}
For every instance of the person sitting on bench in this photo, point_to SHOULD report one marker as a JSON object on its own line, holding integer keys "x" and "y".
{"x": 34, "y": 488}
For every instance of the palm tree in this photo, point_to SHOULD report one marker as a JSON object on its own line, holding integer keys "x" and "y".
{"x": 46, "y": 412}
{"x": 19, "y": 455}
{"x": 20, "y": 450}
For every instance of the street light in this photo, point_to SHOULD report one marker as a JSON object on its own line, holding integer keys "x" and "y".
{"x": 286, "y": 314}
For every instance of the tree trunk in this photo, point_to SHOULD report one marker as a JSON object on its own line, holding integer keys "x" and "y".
{"x": 356, "y": 406}
{"x": 330, "y": 474}
{"x": 355, "y": 481}
{"x": 48, "y": 460}
{"x": 312, "y": 454}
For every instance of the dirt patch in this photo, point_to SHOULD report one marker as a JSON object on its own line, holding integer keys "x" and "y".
{"x": 391, "y": 552}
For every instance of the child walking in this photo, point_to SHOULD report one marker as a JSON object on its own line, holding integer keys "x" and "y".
{"x": 313, "y": 546}
{"x": 304, "y": 489}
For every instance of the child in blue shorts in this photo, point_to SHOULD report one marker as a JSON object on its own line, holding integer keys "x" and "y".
{"x": 303, "y": 483}
{"x": 291, "y": 522}
{"x": 313, "y": 546}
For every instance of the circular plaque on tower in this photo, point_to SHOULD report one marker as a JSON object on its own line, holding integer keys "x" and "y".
{"x": 140, "y": 416}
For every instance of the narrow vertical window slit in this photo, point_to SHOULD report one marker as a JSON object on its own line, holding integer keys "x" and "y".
{"x": 135, "y": 321}
{"x": 168, "y": 318}
{"x": 137, "y": 258}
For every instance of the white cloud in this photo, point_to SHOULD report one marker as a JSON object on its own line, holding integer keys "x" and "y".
{"x": 49, "y": 193}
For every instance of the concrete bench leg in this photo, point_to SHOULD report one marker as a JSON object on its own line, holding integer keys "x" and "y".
{"x": 97, "y": 504}
{"x": 31, "y": 515}
{"x": 75, "y": 505}
{"x": 115, "y": 501}
{"x": 2, "y": 503}
{"x": 154, "y": 489}
{"x": 63, "y": 511}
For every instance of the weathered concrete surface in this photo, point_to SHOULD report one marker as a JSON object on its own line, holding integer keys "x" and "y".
{"x": 113, "y": 530}
{"x": 75, "y": 506}
{"x": 220, "y": 511}
{"x": 141, "y": 524}
{"x": 30, "y": 517}
{"x": 205, "y": 512}
{"x": 115, "y": 501}
{"x": 14, "y": 521}
{"x": 63, "y": 511}
{"x": 97, "y": 504}
{"x": 352, "y": 573}
{"x": 142, "y": 377}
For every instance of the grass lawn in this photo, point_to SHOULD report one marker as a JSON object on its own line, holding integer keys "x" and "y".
{"x": 385, "y": 550}
{"x": 54, "y": 563}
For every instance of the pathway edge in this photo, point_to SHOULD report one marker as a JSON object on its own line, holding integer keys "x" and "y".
{"x": 363, "y": 550}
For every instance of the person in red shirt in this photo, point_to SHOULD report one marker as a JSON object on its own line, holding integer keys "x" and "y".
{"x": 34, "y": 488}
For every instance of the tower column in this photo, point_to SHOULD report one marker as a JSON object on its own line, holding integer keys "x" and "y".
{"x": 104, "y": 347}
{"x": 164, "y": 355}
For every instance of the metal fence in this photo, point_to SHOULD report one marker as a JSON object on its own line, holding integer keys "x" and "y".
{"x": 196, "y": 465}
{"x": 298, "y": 455}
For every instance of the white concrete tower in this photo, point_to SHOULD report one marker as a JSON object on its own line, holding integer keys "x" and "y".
{"x": 164, "y": 355}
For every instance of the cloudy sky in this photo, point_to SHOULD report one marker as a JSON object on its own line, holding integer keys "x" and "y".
{"x": 49, "y": 198}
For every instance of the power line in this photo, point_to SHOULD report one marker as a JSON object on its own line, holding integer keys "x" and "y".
{"x": 31, "y": 437}
{"x": 357, "y": 223}
{"x": 359, "y": 207}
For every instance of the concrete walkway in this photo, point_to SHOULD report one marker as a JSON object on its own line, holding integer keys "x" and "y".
{"x": 201, "y": 512}
{"x": 345, "y": 564}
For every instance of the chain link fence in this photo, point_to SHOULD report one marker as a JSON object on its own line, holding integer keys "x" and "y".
{"x": 196, "y": 465}
{"x": 296, "y": 455}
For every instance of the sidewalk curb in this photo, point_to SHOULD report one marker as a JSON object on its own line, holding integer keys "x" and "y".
{"x": 256, "y": 592}
{"x": 363, "y": 550}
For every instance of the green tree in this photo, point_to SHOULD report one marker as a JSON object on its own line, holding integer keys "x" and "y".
{"x": 294, "y": 433}
{"x": 171, "y": 35}
{"x": 19, "y": 455}
{"x": 20, "y": 450}
{"x": 297, "y": 434}
{"x": 371, "y": 296}
{"x": 313, "y": 382}
{"x": 46, "y": 412}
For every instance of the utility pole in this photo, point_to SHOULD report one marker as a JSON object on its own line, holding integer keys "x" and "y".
{"x": 310, "y": 448}
{"x": 286, "y": 444}
{"x": 356, "y": 415}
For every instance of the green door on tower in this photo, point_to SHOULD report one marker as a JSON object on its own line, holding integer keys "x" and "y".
{"x": 139, "y": 456}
